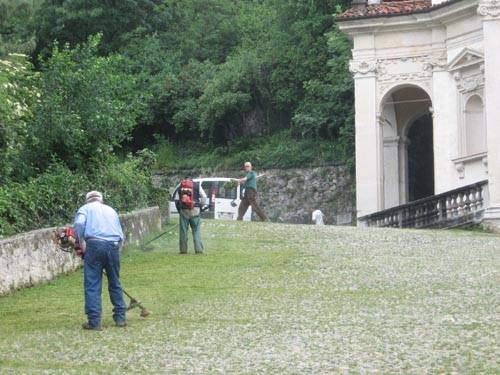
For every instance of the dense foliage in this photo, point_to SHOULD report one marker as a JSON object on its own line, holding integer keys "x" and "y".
{"x": 18, "y": 97}
{"x": 219, "y": 70}
{"x": 58, "y": 132}
{"x": 52, "y": 197}
{"x": 279, "y": 150}
{"x": 88, "y": 107}
{"x": 206, "y": 82}
{"x": 16, "y": 32}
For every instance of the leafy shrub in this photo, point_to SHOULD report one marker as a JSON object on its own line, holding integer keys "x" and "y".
{"x": 128, "y": 185}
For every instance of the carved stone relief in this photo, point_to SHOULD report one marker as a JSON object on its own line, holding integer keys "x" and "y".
{"x": 411, "y": 69}
{"x": 362, "y": 68}
{"x": 489, "y": 8}
{"x": 469, "y": 81}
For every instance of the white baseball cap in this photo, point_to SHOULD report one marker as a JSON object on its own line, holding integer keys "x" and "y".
{"x": 93, "y": 194}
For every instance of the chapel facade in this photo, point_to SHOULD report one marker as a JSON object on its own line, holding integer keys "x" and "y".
{"x": 427, "y": 101}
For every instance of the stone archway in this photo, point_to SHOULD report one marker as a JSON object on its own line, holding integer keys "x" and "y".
{"x": 403, "y": 109}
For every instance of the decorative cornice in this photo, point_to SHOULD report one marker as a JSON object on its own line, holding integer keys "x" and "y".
{"x": 433, "y": 17}
{"x": 489, "y": 9}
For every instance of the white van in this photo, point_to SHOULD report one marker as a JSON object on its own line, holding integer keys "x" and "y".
{"x": 223, "y": 203}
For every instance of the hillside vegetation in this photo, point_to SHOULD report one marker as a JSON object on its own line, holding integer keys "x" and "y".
{"x": 276, "y": 299}
{"x": 205, "y": 83}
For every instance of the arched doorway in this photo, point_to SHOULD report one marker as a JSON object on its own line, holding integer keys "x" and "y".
{"x": 407, "y": 145}
{"x": 420, "y": 158}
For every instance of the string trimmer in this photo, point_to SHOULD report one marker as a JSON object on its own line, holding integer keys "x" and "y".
{"x": 144, "y": 246}
{"x": 65, "y": 240}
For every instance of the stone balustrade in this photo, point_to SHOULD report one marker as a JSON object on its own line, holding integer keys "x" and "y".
{"x": 454, "y": 208}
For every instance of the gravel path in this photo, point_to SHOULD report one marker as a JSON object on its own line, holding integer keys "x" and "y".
{"x": 283, "y": 299}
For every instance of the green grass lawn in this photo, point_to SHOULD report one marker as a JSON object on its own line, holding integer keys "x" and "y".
{"x": 270, "y": 298}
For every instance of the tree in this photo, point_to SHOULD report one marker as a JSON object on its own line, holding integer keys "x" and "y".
{"x": 18, "y": 98}
{"x": 15, "y": 34}
{"x": 88, "y": 107}
{"x": 328, "y": 102}
{"x": 74, "y": 21}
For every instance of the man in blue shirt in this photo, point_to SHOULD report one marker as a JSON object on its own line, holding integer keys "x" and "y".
{"x": 100, "y": 235}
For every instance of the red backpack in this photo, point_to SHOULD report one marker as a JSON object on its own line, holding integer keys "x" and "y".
{"x": 188, "y": 194}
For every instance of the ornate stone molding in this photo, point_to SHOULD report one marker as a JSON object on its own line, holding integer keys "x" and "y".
{"x": 436, "y": 63}
{"x": 416, "y": 70}
{"x": 490, "y": 9}
{"x": 460, "y": 167}
{"x": 468, "y": 83}
{"x": 461, "y": 163}
{"x": 467, "y": 69}
{"x": 467, "y": 58}
{"x": 404, "y": 68}
{"x": 362, "y": 68}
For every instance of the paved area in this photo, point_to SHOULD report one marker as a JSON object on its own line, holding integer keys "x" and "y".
{"x": 278, "y": 299}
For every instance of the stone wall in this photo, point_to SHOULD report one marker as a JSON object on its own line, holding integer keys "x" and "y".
{"x": 287, "y": 194}
{"x": 138, "y": 224}
{"x": 30, "y": 258}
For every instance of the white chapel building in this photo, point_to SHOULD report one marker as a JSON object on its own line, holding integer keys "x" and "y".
{"x": 427, "y": 89}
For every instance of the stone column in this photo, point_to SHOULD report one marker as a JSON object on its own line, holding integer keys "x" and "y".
{"x": 444, "y": 119}
{"x": 368, "y": 143}
{"x": 403, "y": 169}
{"x": 490, "y": 12}
{"x": 391, "y": 171}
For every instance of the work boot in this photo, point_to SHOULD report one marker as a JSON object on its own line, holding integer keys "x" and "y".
{"x": 89, "y": 327}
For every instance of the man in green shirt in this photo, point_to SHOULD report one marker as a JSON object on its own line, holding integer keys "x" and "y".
{"x": 249, "y": 183}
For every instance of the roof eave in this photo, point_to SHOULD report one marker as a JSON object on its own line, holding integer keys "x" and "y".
{"x": 392, "y": 15}
{"x": 437, "y": 15}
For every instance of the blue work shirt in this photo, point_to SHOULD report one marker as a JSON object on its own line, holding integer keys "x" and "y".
{"x": 95, "y": 219}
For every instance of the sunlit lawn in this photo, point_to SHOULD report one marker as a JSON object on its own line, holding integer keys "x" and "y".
{"x": 270, "y": 298}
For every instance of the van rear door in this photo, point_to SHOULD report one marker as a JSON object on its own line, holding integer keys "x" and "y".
{"x": 226, "y": 201}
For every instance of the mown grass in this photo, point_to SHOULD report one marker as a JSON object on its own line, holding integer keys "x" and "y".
{"x": 271, "y": 298}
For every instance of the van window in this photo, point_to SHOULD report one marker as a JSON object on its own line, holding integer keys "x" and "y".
{"x": 218, "y": 190}
{"x": 225, "y": 192}
{"x": 207, "y": 187}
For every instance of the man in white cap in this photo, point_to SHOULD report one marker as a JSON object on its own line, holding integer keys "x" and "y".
{"x": 100, "y": 235}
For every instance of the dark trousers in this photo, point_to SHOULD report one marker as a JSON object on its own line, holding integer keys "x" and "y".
{"x": 250, "y": 199}
{"x": 99, "y": 256}
{"x": 195, "y": 223}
